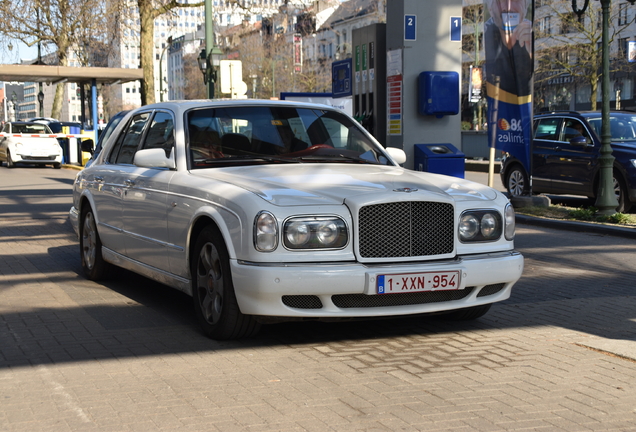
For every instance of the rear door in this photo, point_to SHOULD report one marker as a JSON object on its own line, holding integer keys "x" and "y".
{"x": 545, "y": 146}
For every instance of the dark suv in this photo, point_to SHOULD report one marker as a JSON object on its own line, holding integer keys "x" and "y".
{"x": 566, "y": 151}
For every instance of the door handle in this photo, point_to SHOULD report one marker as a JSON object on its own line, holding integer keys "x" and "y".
{"x": 99, "y": 179}
{"x": 129, "y": 182}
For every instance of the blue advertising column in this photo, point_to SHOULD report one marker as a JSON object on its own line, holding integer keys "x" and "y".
{"x": 421, "y": 37}
{"x": 509, "y": 67}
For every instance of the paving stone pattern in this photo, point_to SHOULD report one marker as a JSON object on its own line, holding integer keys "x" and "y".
{"x": 126, "y": 355}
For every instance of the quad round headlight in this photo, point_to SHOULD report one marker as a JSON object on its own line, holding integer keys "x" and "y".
{"x": 315, "y": 232}
{"x": 480, "y": 225}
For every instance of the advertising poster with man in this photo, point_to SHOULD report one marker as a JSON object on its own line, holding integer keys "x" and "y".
{"x": 509, "y": 46}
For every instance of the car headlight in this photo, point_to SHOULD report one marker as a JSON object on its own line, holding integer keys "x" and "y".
{"x": 480, "y": 225}
{"x": 315, "y": 232}
{"x": 265, "y": 232}
{"x": 509, "y": 215}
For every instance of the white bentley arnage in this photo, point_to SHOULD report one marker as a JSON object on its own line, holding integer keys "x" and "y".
{"x": 265, "y": 211}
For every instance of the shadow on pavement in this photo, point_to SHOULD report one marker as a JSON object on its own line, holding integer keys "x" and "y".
{"x": 131, "y": 316}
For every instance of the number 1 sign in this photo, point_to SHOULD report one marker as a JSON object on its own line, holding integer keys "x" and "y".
{"x": 456, "y": 29}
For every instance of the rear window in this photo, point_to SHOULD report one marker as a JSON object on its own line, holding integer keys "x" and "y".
{"x": 547, "y": 129}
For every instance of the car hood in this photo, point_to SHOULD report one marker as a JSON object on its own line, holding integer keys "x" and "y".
{"x": 329, "y": 184}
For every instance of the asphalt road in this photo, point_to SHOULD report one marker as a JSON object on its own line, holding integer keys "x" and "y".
{"x": 126, "y": 354}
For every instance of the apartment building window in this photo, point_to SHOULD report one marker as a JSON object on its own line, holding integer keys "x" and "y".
{"x": 545, "y": 26}
{"x": 622, "y": 47}
{"x": 567, "y": 23}
{"x": 622, "y": 14}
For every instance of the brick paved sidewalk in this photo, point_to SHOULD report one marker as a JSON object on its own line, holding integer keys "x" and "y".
{"x": 127, "y": 355}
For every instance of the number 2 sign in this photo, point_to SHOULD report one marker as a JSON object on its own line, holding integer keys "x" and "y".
{"x": 410, "y": 27}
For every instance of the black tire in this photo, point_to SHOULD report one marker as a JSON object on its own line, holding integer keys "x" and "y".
{"x": 57, "y": 165}
{"x": 93, "y": 263}
{"x": 215, "y": 304}
{"x": 10, "y": 163}
{"x": 620, "y": 191}
{"x": 469, "y": 313}
{"x": 517, "y": 182}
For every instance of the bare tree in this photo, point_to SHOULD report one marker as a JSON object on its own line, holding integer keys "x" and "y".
{"x": 568, "y": 47}
{"x": 56, "y": 25}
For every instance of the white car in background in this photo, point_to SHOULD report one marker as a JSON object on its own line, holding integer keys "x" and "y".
{"x": 269, "y": 211}
{"x": 30, "y": 143}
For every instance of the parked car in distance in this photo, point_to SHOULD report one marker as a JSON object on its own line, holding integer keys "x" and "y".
{"x": 29, "y": 143}
{"x": 267, "y": 211}
{"x": 565, "y": 160}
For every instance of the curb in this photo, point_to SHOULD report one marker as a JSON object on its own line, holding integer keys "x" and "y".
{"x": 578, "y": 226}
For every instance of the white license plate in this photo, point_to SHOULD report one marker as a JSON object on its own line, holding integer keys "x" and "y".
{"x": 419, "y": 282}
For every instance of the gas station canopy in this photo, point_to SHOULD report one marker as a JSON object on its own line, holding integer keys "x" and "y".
{"x": 57, "y": 74}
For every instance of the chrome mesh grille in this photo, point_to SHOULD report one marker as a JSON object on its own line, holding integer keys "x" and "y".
{"x": 406, "y": 229}
{"x": 385, "y": 300}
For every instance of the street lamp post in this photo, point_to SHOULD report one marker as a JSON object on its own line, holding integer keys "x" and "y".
{"x": 606, "y": 197}
{"x": 161, "y": 68}
{"x": 208, "y": 64}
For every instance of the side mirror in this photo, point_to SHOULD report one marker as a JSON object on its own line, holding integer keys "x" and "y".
{"x": 154, "y": 158}
{"x": 87, "y": 146}
{"x": 580, "y": 141}
{"x": 396, "y": 154}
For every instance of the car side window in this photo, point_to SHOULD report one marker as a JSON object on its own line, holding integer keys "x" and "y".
{"x": 160, "y": 133}
{"x": 573, "y": 128}
{"x": 548, "y": 129}
{"x": 126, "y": 147}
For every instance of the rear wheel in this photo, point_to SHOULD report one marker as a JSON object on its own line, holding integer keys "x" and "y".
{"x": 93, "y": 263}
{"x": 517, "y": 182}
{"x": 215, "y": 304}
{"x": 469, "y": 313}
{"x": 57, "y": 165}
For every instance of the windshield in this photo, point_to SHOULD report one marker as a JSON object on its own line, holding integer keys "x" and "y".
{"x": 622, "y": 126}
{"x": 30, "y": 128}
{"x": 225, "y": 136}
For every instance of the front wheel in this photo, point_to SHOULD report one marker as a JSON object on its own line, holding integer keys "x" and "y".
{"x": 93, "y": 263}
{"x": 620, "y": 191}
{"x": 517, "y": 182}
{"x": 10, "y": 163}
{"x": 215, "y": 304}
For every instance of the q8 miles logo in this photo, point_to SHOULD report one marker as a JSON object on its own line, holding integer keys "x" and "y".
{"x": 513, "y": 125}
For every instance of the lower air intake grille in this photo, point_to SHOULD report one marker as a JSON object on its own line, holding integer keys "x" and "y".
{"x": 385, "y": 300}
{"x": 406, "y": 229}
{"x": 302, "y": 301}
{"x": 491, "y": 289}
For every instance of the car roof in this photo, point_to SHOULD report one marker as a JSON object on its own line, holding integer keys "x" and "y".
{"x": 582, "y": 113}
{"x": 184, "y": 105}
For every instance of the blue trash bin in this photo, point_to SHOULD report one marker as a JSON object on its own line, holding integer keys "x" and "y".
{"x": 440, "y": 159}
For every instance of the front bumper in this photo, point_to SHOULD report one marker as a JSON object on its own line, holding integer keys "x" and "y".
{"x": 44, "y": 160}
{"x": 318, "y": 290}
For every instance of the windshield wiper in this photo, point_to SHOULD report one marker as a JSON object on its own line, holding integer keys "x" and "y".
{"x": 250, "y": 158}
{"x": 338, "y": 157}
